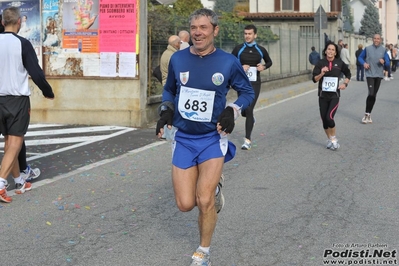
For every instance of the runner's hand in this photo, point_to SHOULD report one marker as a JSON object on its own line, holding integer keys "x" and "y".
{"x": 166, "y": 119}
{"x": 226, "y": 120}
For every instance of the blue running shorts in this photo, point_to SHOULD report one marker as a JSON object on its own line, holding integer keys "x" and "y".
{"x": 189, "y": 150}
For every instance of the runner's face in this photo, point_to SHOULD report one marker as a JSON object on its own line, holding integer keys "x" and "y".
{"x": 330, "y": 52}
{"x": 249, "y": 36}
{"x": 203, "y": 33}
{"x": 377, "y": 40}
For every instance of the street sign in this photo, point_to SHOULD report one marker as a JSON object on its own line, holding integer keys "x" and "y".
{"x": 320, "y": 18}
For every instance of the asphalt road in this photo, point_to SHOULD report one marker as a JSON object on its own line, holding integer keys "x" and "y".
{"x": 289, "y": 200}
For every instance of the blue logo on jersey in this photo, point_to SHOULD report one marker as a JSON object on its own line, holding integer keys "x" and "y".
{"x": 189, "y": 114}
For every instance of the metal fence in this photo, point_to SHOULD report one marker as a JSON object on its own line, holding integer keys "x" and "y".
{"x": 289, "y": 53}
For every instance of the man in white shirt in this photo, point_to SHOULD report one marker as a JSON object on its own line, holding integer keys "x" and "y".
{"x": 345, "y": 54}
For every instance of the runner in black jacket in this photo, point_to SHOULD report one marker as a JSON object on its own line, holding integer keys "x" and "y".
{"x": 327, "y": 72}
{"x": 251, "y": 55}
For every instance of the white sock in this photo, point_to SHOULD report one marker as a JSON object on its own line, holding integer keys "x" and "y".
{"x": 19, "y": 180}
{"x": 333, "y": 139}
{"x": 204, "y": 249}
{"x": 3, "y": 183}
{"x": 25, "y": 171}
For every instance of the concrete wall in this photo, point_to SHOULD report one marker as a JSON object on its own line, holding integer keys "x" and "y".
{"x": 90, "y": 102}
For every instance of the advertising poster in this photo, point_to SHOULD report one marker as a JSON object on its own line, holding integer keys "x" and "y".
{"x": 80, "y": 25}
{"x": 118, "y": 25}
{"x": 30, "y": 21}
{"x": 51, "y": 23}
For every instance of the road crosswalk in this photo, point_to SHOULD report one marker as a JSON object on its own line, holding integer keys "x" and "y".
{"x": 60, "y": 138}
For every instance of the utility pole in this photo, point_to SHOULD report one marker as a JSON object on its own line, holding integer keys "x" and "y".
{"x": 320, "y": 22}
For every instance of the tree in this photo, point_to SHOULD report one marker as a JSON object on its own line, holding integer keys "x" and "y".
{"x": 224, "y": 6}
{"x": 231, "y": 31}
{"x": 165, "y": 21}
{"x": 370, "y": 22}
{"x": 182, "y": 10}
{"x": 160, "y": 23}
{"x": 348, "y": 16}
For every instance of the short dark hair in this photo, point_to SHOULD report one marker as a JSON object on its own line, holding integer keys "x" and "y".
{"x": 251, "y": 27}
{"x": 205, "y": 12}
{"x": 313, "y": 48}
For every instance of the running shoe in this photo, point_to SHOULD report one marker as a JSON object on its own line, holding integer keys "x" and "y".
{"x": 334, "y": 144}
{"x": 200, "y": 258}
{"x": 3, "y": 195}
{"x": 367, "y": 119}
{"x": 219, "y": 198}
{"x": 387, "y": 79}
{"x": 30, "y": 173}
{"x": 247, "y": 144}
{"x": 329, "y": 144}
{"x": 22, "y": 188}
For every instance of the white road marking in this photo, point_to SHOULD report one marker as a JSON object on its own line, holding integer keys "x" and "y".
{"x": 80, "y": 144}
{"x": 78, "y": 140}
{"x": 90, "y": 166}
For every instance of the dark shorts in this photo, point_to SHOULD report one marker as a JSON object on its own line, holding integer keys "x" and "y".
{"x": 14, "y": 115}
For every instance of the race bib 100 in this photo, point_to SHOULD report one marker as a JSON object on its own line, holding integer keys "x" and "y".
{"x": 329, "y": 84}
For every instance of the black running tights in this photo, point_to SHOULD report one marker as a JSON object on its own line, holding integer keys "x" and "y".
{"x": 22, "y": 157}
{"x": 373, "y": 85}
{"x": 328, "y": 108}
{"x": 249, "y": 112}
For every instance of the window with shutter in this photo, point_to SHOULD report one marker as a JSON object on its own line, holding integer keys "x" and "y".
{"x": 336, "y": 5}
{"x": 296, "y": 5}
{"x": 277, "y": 6}
{"x": 287, "y": 5}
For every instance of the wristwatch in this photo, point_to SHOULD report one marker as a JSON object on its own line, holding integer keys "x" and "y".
{"x": 346, "y": 84}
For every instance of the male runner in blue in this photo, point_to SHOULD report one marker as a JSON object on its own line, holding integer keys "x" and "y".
{"x": 194, "y": 101}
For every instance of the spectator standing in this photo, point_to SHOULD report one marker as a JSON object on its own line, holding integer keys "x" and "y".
{"x": 345, "y": 55}
{"x": 387, "y": 69}
{"x": 14, "y": 97}
{"x": 194, "y": 101}
{"x": 340, "y": 46}
{"x": 359, "y": 66}
{"x": 394, "y": 55}
{"x": 314, "y": 56}
{"x": 251, "y": 56}
{"x": 184, "y": 39}
{"x": 173, "y": 46}
{"x": 374, "y": 57}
